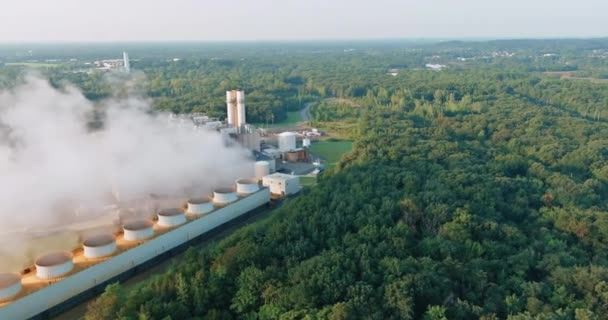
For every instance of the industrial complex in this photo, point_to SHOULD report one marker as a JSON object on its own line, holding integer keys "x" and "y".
{"x": 133, "y": 240}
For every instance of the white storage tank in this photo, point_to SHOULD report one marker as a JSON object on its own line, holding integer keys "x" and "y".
{"x": 54, "y": 265}
{"x": 224, "y": 196}
{"x": 287, "y": 141}
{"x": 138, "y": 230}
{"x": 171, "y": 217}
{"x": 306, "y": 143}
{"x": 99, "y": 246}
{"x": 247, "y": 186}
{"x": 262, "y": 168}
{"x": 199, "y": 206}
{"x": 10, "y": 286}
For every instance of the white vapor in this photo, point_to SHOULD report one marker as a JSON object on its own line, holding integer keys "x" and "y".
{"x": 51, "y": 163}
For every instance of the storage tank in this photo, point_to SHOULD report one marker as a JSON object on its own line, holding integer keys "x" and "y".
{"x": 287, "y": 141}
{"x": 10, "y": 286}
{"x": 99, "y": 246}
{"x": 262, "y": 168}
{"x": 199, "y": 206}
{"x": 224, "y": 195}
{"x": 247, "y": 186}
{"x": 138, "y": 230}
{"x": 306, "y": 143}
{"x": 171, "y": 217}
{"x": 54, "y": 265}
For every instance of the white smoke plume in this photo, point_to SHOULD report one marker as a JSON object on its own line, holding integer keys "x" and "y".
{"x": 51, "y": 162}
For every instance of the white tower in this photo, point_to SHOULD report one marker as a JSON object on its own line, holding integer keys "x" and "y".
{"x": 125, "y": 62}
{"x": 240, "y": 106}
{"x": 231, "y": 104}
{"x": 235, "y": 102}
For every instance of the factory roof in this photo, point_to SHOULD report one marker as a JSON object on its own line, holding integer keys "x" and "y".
{"x": 280, "y": 176}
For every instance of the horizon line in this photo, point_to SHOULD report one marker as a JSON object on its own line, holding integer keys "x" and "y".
{"x": 308, "y": 40}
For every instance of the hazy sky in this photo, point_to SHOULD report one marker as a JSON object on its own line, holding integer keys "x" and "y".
{"x": 144, "y": 20}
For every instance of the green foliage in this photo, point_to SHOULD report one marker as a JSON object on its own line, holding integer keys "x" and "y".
{"x": 477, "y": 192}
{"x": 331, "y": 151}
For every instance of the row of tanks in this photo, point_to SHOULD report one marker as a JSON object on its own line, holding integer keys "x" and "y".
{"x": 56, "y": 265}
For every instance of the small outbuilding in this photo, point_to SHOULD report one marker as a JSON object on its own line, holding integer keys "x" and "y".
{"x": 282, "y": 184}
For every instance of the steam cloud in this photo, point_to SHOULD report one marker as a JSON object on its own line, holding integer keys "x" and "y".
{"x": 52, "y": 163}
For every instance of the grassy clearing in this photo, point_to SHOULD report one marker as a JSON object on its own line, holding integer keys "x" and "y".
{"x": 331, "y": 150}
{"x": 293, "y": 117}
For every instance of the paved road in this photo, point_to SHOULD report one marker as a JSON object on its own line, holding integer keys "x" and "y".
{"x": 305, "y": 113}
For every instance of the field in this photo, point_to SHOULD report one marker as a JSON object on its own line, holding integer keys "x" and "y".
{"x": 331, "y": 150}
{"x": 293, "y": 117}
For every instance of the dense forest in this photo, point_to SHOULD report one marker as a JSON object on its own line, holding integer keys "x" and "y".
{"x": 474, "y": 192}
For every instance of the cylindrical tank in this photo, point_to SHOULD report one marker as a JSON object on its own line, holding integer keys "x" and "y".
{"x": 171, "y": 217}
{"x": 262, "y": 169}
{"x": 99, "y": 246}
{"x": 138, "y": 230}
{"x": 240, "y": 106}
{"x": 54, "y": 265}
{"x": 306, "y": 143}
{"x": 224, "y": 195}
{"x": 247, "y": 186}
{"x": 287, "y": 141}
{"x": 199, "y": 206}
{"x": 10, "y": 286}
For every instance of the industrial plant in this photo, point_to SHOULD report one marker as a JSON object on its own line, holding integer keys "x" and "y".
{"x": 286, "y": 151}
{"x": 152, "y": 228}
{"x": 123, "y": 64}
{"x": 59, "y": 276}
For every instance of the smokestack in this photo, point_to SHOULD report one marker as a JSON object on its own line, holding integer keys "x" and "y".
{"x": 235, "y": 102}
{"x": 240, "y": 105}
{"x": 231, "y": 106}
{"x": 126, "y": 63}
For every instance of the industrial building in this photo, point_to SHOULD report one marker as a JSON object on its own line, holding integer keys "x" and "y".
{"x": 123, "y": 64}
{"x": 59, "y": 276}
{"x": 282, "y": 184}
{"x": 234, "y": 129}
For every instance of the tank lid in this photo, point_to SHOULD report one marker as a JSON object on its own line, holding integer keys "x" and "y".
{"x": 198, "y": 200}
{"x": 98, "y": 240}
{"x": 224, "y": 190}
{"x": 138, "y": 225}
{"x": 53, "y": 259}
{"x": 9, "y": 280}
{"x": 247, "y": 181}
{"x": 170, "y": 212}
